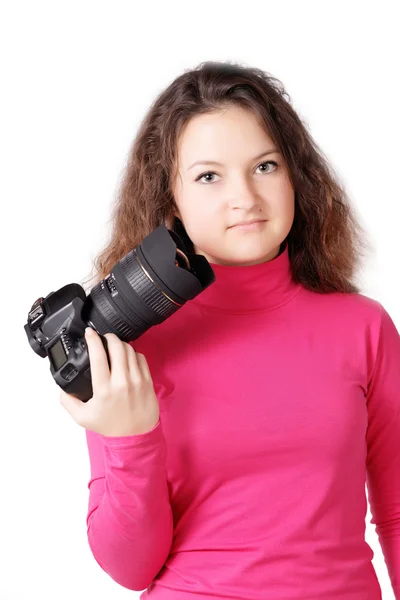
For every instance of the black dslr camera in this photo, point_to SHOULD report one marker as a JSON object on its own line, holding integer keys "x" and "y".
{"x": 144, "y": 288}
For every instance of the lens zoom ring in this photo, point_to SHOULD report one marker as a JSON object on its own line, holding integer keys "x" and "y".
{"x": 145, "y": 288}
{"x": 104, "y": 305}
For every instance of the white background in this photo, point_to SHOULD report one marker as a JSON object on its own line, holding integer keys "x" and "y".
{"x": 76, "y": 80}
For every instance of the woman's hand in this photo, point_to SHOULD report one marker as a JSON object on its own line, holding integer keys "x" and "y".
{"x": 124, "y": 401}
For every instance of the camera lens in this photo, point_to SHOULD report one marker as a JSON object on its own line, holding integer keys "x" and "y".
{"x": 146, "y": 286}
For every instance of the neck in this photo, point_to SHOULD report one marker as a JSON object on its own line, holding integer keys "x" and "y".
{"x": 246, "y": 289}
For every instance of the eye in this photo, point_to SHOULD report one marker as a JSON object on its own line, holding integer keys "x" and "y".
{"x": 269, "y": 162}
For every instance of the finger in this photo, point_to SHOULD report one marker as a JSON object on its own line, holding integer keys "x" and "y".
{"x": 143, "y": 366}
{"x": 72, "y": 405}
{"x": 118, "y": 358}
{"x": 133, "y": 362}
{"x": 99, "y": 369}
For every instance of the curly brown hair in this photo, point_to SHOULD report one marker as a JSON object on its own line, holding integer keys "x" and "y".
{"x": 326, "y": 241}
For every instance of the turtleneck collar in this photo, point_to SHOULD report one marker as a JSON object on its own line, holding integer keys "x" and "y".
{"x": 253, "y": 288}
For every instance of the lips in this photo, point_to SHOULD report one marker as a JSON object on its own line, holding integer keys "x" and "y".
{"x": 249, "y": 222}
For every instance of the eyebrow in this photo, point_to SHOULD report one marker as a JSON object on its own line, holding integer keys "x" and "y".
{"x": 213, "y": 162}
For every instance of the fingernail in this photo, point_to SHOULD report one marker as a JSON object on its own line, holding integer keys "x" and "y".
{"x": 88, "y": 331}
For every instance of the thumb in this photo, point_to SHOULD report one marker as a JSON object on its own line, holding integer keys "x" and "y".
{"x": 72, "y": 405}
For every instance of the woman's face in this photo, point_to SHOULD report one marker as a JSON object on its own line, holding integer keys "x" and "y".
{"x": 244, "y": 186}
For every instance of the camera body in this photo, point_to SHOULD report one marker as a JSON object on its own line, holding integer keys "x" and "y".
{"x": 143, "y": 289}
{"x": 56, "y": 329}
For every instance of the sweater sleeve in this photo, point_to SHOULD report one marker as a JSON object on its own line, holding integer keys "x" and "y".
{"x": 383, "y": 445}
{"x": 129, "y": 519}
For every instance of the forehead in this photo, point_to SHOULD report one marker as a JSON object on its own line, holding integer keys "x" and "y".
{"x": 221, "y": 132}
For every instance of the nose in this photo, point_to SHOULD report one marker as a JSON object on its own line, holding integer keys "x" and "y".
{"x": 243, "y": 195}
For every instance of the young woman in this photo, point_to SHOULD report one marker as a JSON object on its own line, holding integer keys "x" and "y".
{"x": 230, "y": 445}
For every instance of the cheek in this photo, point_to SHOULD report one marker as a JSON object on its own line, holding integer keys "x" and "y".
{"x": 284, "y": 203}
{"x": 204, "y": 228}
{"x": 288, "y": 204}
{"x": 199, "y": 214}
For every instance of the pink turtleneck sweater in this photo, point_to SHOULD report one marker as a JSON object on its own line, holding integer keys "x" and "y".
{"x": 277, "y": 406}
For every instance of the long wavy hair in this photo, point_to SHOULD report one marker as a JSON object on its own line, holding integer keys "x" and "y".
{"x": 326, "y": 242}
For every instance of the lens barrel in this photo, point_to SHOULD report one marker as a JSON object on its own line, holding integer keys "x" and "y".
{"x": 148, "y": 285}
